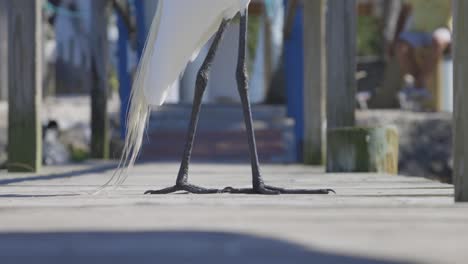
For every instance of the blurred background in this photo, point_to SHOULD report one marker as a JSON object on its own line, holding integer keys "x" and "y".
{"x": 276, "y": 69}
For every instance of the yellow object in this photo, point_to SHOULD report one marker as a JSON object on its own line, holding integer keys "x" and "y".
{"x": 429, "y": 15}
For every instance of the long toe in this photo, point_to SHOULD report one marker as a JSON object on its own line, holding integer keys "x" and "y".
{"x": 266, "y": 191}
{"x": 299, "y": 191}
{"x": 258, "y": 190}
{"x": 190, "y": 188}
{"x": 232, "y": 190}
{"x": 199, "y": 190}
{"x": 164, "y": 191}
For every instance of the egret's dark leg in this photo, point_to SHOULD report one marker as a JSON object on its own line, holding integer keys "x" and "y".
{"x": 201, "y": 83}
{"x": 258, "y": 186}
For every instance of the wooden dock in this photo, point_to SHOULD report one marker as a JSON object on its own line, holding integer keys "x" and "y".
{"x": 51, "y": 218}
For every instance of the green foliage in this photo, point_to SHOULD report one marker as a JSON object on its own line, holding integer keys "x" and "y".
{"x": 253, "y": 38}
{"x": 368, "y": 39}
{"x": 253, "y": 29}
{"x": 113, "y": 80}
{"x": 79, "y": 154}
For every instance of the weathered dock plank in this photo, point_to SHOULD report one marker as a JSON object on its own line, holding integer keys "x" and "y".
{"x": 373, "y": 219}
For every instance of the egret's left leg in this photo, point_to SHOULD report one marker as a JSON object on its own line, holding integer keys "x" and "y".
{"x": 182, "y": 183}
{"x": 258, "y": 186}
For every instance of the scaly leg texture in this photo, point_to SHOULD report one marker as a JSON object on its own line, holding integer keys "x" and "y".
{"x": 201, "y": 83}
{"x": 258, "y": 186}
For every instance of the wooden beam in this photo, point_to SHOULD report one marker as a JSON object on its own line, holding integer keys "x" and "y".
{"x": 314, "y": 80}
{"x": 99, "y": 90}
{"x": 341, "y": 80}
{"x": 460, "y": 99}
{"x": 25, "y": 85}
{"x": 341, "y": 63}
{"x": 3, "y": 50}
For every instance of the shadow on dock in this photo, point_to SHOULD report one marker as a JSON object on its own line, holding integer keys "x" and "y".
{"x": 160, "y": 247}
{"x": 68, "y": 174}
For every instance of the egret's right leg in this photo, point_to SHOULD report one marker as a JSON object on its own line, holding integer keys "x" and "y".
{"x": 258, "y": 185}
{"x": 201, "y": 83}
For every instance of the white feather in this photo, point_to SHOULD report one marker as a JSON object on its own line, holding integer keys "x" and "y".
{"x": 179, "y": 30}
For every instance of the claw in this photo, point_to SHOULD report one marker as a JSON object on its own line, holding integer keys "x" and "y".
{"x": 164, "y": 191}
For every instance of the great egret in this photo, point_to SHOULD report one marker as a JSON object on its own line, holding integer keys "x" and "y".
{"x": 179, "y": 30}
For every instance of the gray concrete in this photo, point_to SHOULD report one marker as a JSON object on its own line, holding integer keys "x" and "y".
{"x": 51, "y": 218}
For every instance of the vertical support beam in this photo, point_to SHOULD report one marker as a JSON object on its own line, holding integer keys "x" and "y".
{"x": 3, "y": 49}
{"x": 125, "y": 82}
{"x": 99, "y": 91}
{"x": 341, "y": 63}
{"x": 460, "y": 99}
{"x": 314, "y": 80}
{"x": 294, "y": 74}
{"x": 25, "y": 83}
{"x": 341, "y": 80}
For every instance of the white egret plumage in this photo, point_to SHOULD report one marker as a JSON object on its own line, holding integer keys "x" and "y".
{"x": 179, "y": 30}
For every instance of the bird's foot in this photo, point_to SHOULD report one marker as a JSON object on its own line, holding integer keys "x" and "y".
{"x": 190, "y": 188}
{"x": 270, "y": 190}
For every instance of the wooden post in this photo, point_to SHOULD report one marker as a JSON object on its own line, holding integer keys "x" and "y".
{"x": 3, "y": 50}
{"x": 99, "y": 90}
{"x": 341, "y": 80}
{"x": 460, "y": 99}
{"x": 363, "y": 149}
{"x": 25, "y": 83}
{"x": 314, "y": 80}
{"x": 341, "y": 63}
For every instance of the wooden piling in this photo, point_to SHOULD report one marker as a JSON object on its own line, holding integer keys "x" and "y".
{"x": 341, "y": 63}
{"x": 341, "y": 68}
{"x": 460, "y": 100}
{"x": 25, "y": 85}
{"x": 3, "y": 50}
{"x": 314, "y": 80}
{"x": 362, "y": 149}
{"x": 99, "y": 90}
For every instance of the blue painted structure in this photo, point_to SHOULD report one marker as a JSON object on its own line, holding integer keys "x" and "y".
{"x": 142, "y": 31}
{"x": 294, "y": 74}
{"x": 125, "y": 79}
